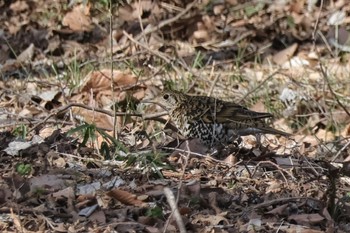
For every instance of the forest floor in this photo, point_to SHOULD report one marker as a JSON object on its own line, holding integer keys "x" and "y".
{"x": 81, "y": 151}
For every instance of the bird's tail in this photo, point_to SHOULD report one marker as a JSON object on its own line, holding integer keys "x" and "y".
{"x": 261, "y": 130}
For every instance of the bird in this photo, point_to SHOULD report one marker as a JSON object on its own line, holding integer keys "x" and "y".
{"x": 213, "y": 121}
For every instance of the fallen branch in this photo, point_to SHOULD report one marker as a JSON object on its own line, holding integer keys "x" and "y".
{"x": 324, "y": 74}
{"x": 155, "y": 117}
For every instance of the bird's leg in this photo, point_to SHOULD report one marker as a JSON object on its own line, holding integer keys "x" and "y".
{"x": 214, "y": 152}
{"x": 258, "y": 137}
{"x": 236, "y": 140}
{"x": 225, "y": 149}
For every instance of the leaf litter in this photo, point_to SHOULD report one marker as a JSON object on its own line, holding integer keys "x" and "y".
{"x": 104, "y": 158}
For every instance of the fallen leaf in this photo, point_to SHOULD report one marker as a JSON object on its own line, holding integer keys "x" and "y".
{"x": 279, "y": 210}
{"x": 46, "y": 182}
{"x": 285, "y": 55}
{"x": 26, "y": 55}
{"x": 101, "y": 80}
{"x": 100, "y": 120}
{"x": 125, "y": 197}
{"x": 19, "y": 6}
{"x": 79, "y": 18}
{"x": 306, "y": 218}
{"x": 209, "y": 220}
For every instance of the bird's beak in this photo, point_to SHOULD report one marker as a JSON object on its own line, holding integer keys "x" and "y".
{"x": 148, "y": 101}
{"x": 153, "y": 101}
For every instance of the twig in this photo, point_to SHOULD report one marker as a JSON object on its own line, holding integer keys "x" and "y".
{"x": 110, "y": 113}
{"x": 262, "y": 83}
{"x": 340, "y": 151}
{"x": 31, "y": 211}
{"x": 208, "y": 157}
{"x": 275, "y": 202}
{"x": 64, "y": 108}
{"x": 32, "y": 122}
{"x": 278, "y": 168}
{"x": 154, "y": 52}
{"x": 149, "y": 29}
{"x": 324, "y": 74}
{"x": 315, "y": 172}
{"x": 112, "y": 67}
{"x": 325, "y": 41}
{"x": 215, "y": 80}
{"x": 171, "y": 200}
{"x": 100, "y": 161}
{"x": 316, "y": 23}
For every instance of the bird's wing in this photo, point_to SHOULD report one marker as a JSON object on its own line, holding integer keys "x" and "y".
{"x": 225, "y": 112}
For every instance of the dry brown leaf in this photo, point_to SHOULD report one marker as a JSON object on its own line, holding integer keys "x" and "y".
{"x": 73, "y": 48}
{"x": 325, "y": 135}
{"x": 185, "y": 210}
{"x": 98, "y": 216}
{"x": 285, "y": 161}
{"x": 101, "y": 120}
{"x": 10, "y": 66}
{"x": 306, "y": 218}
{"x": 146, "y": 220}
{"x": 139, "y": 94}
{"x": 278, "y": 210}
{"x": 297, "y": 6}
{"x": 282, "y": 124}
{"x": 275, "y": 186}
{"x": 54, "y": 44}
{"x": 193, "y": 188}
{"x": 30, "y": 111}
{"x": 125, "y": 197}
{"x": 258, "y": 107}
{"x": 84, "y": 200}
{"x": 212, "y": 199}
{"x": 201, "y": 35}
{"x": 135, "y": 10}
{"x": 46, "y": 132}
{"x": 126, "y": 13}
{"x": 218, "y": 9}
{"x": 312, "y": 59}
{"x": 54, "y": 159}
{"x": 230, "y": 160}
{"x": 346, "y": 131}
{"x": 17, "y": 222}
{"x": 19, "y": 6}
{"x": 232, "y": 2}
{"x": 64, "y": 193}
{"x": 85, "y": 197}
{"x": 5, "y": 194}
{"x": 208, "y": 220}
{"x": 208, "y": 23}
{"x": 4, "y": 53}
{"x": 15, "y": 24}
{"x": 27, "y": 54}
{"x": 51, "y": 182}
{"x": 308, "y": 144}
{"x": 285, "y": 55}
{"x": 191, "y": 146}
{"x": 101, "y": 80}
{"x": 79, "y": 18}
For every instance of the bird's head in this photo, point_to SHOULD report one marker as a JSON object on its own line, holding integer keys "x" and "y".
{"x": 169, "y": 99}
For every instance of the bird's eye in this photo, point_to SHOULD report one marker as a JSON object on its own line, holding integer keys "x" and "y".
{"x": 166, "y": 96}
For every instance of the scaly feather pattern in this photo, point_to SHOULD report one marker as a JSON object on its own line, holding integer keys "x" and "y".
{"x": 211, "y": 120}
